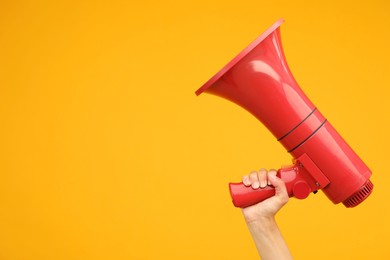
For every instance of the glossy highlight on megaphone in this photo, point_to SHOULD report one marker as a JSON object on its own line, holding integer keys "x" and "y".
{"x": 259, "y": 80}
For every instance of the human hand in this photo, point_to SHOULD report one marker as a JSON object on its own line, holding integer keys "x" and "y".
{"x": 268, "y": 208}
{"x": 260, "y": 218}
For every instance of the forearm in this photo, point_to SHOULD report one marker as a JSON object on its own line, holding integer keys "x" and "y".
{"x": 268, "y": 240}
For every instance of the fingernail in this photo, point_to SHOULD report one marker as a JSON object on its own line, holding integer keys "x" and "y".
{"x": 255, "y": 185}
{"x": 263, "y": 184}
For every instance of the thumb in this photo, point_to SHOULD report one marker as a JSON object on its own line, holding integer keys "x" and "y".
{"x": 280, "y": 187}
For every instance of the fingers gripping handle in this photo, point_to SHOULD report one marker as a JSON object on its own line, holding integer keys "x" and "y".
{"x": 297, "y": 185}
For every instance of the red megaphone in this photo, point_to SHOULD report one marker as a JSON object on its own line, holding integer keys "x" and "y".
{"x": 259, "y": 80}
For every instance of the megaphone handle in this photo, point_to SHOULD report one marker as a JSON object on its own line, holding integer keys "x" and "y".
{"x": 296, "y": 185}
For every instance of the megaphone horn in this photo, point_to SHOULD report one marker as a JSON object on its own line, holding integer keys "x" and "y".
{"x": 259, "y": 80}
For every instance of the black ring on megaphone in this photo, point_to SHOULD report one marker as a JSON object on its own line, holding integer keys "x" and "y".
{"x": 315, "y": 131}
{"x": 295, "y": 127}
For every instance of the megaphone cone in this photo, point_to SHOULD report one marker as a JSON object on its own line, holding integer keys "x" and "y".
{"x": 259, "y": 80}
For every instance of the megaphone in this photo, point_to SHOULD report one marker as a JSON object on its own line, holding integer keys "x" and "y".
{"x": 259, "y": 80}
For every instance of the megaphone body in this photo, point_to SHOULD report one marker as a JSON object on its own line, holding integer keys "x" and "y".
{"x": 260, "y": 81}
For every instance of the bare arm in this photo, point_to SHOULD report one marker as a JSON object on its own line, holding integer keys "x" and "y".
{"x": 260, "y": 218}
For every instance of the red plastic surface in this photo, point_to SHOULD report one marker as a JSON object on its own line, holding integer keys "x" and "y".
{"x": 260, "y": 81}
{"x": 359, "y": 196}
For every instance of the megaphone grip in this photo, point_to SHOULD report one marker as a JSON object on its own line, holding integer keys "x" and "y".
{"x": 243, "y": 196}
{"x": 298, "y": 184}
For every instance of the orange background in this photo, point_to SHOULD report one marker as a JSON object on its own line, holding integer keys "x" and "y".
{"x": 106, "y": 153}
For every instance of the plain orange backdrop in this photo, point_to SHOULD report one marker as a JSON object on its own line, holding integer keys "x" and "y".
{"x": 106, "y": 152}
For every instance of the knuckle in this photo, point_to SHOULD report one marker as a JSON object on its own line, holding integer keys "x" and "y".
{"x": 272, "y": 171}
{"x": 262, "y": 171}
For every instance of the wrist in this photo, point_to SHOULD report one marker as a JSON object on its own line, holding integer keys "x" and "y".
{"x": 268, "y": 239}
{"x": 262, "y": 224}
